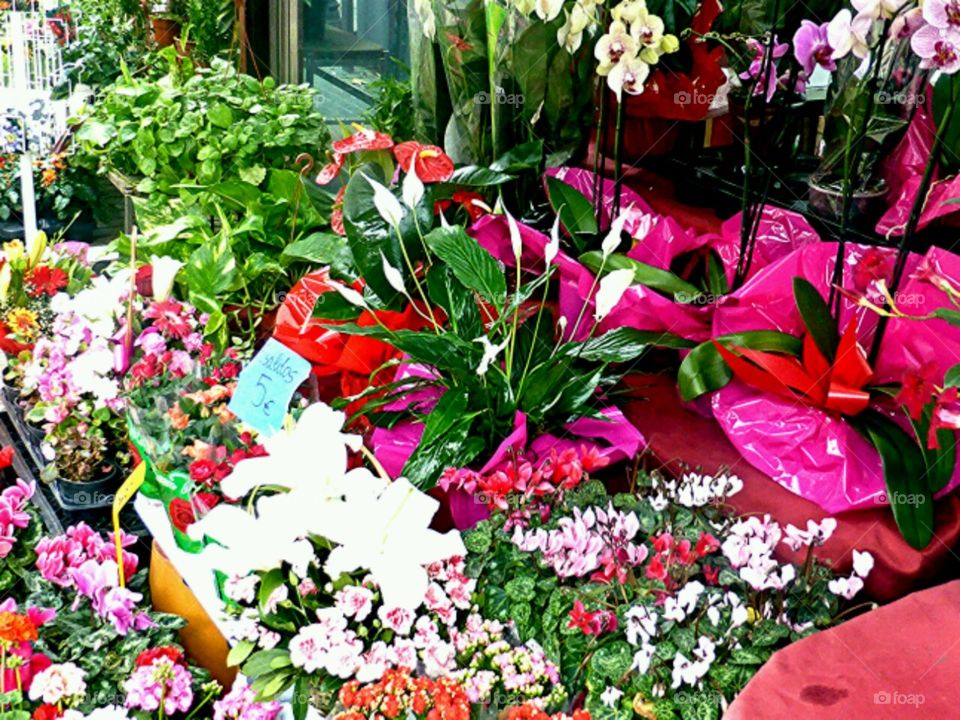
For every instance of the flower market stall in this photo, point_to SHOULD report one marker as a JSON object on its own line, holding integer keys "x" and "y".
{"x": 603, "y": 365}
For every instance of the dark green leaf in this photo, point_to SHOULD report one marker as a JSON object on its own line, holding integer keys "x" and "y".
{"x": 951, "y": 316}
{"x": 472, "y": 265}
{"x": 522, "y": 157}
{"x": 816, "y": 317}
{"x": 643, "y": 274}
{"x": 952, "y": 378}
{"x": 323, "y": 248}
{"x": 575, "y": 209}
{"x": 474, "y": 176}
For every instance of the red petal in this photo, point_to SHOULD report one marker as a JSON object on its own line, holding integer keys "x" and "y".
{"x": 330, "y": 170}
{"x": 363, "y": 140}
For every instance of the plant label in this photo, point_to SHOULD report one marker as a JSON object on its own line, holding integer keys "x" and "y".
{"x": 266, "y": 387}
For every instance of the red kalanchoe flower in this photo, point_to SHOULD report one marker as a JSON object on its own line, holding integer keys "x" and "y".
{"x": 44, "y": 279}
{"x": 431, "y": 162}
{"x": 147, "y": 657}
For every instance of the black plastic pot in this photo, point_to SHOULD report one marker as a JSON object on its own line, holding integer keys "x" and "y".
{"x": 11, "y": 394}
{"x": 90, "y": 494}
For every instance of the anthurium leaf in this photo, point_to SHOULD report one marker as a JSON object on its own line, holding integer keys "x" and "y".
{"x": 475, "y": 176}
{"x": 816, "y": 317}
{"x": 951, "y": 316}
{"x": 903, "y": 473}
{"x": 643, "y": 274}
{"x": 471, "y": 264}
{"x": 624, "y": 344}
{"x": 445, "y": 290}
{"x": 575, "y": 209}
{"x": 704, "y": 370}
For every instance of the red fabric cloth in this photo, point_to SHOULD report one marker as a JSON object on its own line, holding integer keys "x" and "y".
{"x": 900, "y": 661}
{"x": 681, "y": 439}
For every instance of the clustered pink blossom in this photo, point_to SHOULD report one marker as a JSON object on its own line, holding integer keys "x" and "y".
{"x": 240, "y": 704}
{"x": 750, "y": 546}
{"x": 555, "y": 473}
{"x": 162, "y": 682}
{"x": 591, "y": 540}
{"x": 13, "y": 515}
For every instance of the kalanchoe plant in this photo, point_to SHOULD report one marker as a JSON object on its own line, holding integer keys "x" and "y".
{"x": 657, "y": 599}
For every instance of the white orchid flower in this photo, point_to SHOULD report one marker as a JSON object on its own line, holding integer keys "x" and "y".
{"x": 848, "y": 34}
{"x": 412, "y": 185}
{"x": 612, "y": 47}
{"x": 628, "y": 76}
{"x": 547, "y": 10}
{"x": 165, "y": 271}
{"x": 390, "y": 536}
{"x": 388, "y": 207}
{"x": 612, "y": 287}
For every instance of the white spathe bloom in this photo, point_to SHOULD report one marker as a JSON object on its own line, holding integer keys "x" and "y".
{"x": 552, "y": 248}
{"x": 547, "y": 10}
{"x": 387, "y": 205}
{"x": 349, "y": 294}
{"x": 612, "y": 241}
{"x": 412, "y": 185}
{"x": 516, "y": 240}
{"x": 165, "y": 271}
{"x": 611, "y": 696}
{"x": 389, "y": 535}
{"x": 291, "y": 459}
{"x": 490, "y": 353}
{"x": 862, "y": 563}
{"x": 611, "y": 290}
{"x": 394, "y": 277}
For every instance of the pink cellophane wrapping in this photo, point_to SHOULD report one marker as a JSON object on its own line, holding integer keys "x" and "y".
{"x": 810, "y": 452}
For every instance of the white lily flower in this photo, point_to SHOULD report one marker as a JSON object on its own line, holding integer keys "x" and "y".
{"x": 349, "y": 294}
{"x": 394, "y": 277}
{"x": 490, "y": 353}
{"x": 516, "y": 241}
{"x": 291, "y": 456}
{"x": 612, "y": 287}
{"x": 412, "y": 186}
{"x": 390, "y": 536}
{"x": 164, "y": 273}
{"x": 386, "y": 204}
{"x": 612, "y": 241}
{"x": 552, "y": 248}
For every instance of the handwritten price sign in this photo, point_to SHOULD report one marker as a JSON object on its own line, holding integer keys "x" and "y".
{"x": 267, "y": 385}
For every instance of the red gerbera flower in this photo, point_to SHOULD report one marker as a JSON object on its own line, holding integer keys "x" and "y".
{"x": 431, "y": 162}
{"x": 169, "y": 317}
{"x": 44, "y": 279}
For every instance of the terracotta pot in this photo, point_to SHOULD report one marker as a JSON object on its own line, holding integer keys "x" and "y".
{"x": 165, "y": 31}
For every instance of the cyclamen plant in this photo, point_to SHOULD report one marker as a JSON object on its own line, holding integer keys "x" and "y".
{"x": 658, "y": 602}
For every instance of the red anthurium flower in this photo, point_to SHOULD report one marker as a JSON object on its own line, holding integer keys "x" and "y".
{"x": 363, "y": 139}
{"x": 329, "y": 172}
{"x": 336, "y": 216}
{"x": 431, "y": 162}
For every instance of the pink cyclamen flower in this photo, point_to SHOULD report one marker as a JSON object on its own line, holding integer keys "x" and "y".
{"x": 938, "y": 48}
{"x": 162, "y": 681}
{"x": 811, "y": 47}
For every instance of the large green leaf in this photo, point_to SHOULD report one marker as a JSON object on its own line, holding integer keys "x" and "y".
{"x": 445, "y": 290}
{"x": 938, "y": 462}
{"x": 951, "y": 316}
{"x": 575, "y": 209}
{"x": 624, "y": 344}
{"x": 444, "y": 351}
{"x": 526, "y": 156}
{"x": 644, "y": 274}
{"x": 704, "y": 370}
{"x": 904, "y": 475}
{"x": 817, "y": 318}
{"x": 210, "y": 271}
{"x": 471, "y": 264}
{"x": 323, "y": 248}
{"x": 952, "y": 378}
{"x": 447, "y": 441}
{"x": 474, "y": 176}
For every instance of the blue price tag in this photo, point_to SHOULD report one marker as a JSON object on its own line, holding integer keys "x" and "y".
{"x": 267, "y": 385}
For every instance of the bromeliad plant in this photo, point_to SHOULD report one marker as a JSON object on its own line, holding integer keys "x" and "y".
{"x": 493, "y": 349}
{"x": 829, "y": 370}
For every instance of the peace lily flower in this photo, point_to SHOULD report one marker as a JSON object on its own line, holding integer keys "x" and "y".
{"x": 490, "y": 353}
{"x": 612, "y": 287}
{"x": 393, "y": 276}
{"x": 388, "y": 207}
{"x": 390, "y": 536}
{"x": 612, "y": 47}
{"x": 516, "y": 241}
{"x": 349, "y": 294}
{"x": 412, "y": 186}
{"x": 552, "y": 248}
{"x": 628, "y": 76}
{"x": 612, "y": 241}
{"x": 165, "y": 271}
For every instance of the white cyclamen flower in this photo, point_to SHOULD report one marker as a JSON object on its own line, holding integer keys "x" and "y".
{"x": 611, "y": 290}
{"x": 386, "y": 204}
{"x": 611, "y": 696}
{"x": 862, "y": 563}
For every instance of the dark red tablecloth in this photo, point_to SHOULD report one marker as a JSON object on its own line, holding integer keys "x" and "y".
{"x": 679, "y": 438}
{"x": 900, "y": 661}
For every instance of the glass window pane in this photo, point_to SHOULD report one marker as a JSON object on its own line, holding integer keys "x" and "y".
{"x": 347, "y": 46}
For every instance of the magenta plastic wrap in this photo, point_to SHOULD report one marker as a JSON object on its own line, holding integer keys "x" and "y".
{"x": 810, "y": 452}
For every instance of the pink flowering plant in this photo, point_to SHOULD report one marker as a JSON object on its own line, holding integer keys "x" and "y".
{"x": 19, "y": 532}
{"x": 657, "y": 598}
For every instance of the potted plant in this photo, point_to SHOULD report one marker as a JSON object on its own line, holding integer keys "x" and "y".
{"x": 80, "y": 469}
{"x": 167, "y": 19}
